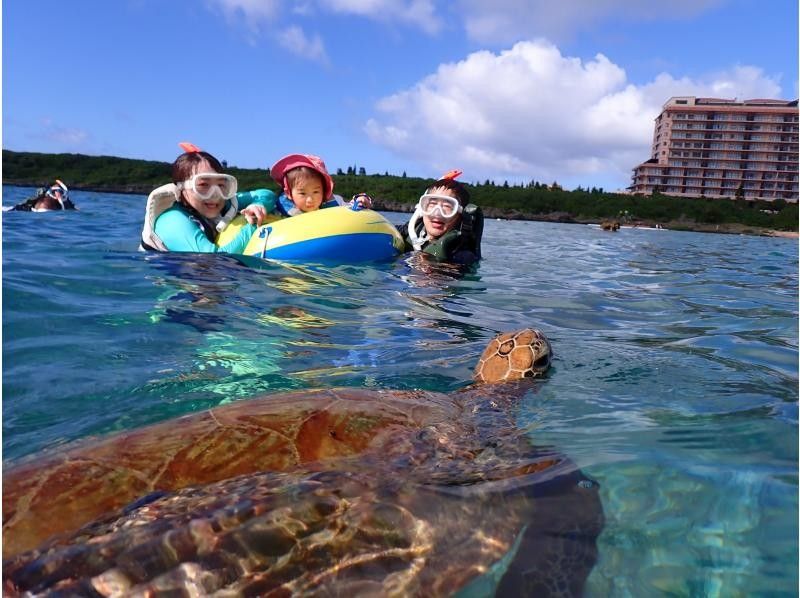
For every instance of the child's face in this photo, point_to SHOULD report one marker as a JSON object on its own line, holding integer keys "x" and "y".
{"x": 307, "y": 193}
{"x": 436, "y": 225}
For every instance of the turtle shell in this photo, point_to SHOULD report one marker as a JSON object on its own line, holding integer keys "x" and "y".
{"x": 312, "y": 492}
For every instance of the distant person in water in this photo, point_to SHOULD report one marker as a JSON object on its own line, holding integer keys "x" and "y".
{"x": 445, "y": 225}
{"x": 189, "y": 213}
{"x": 56, "y": 197}
{"x": 305, "y": 185}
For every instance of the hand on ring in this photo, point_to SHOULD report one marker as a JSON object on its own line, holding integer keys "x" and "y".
{"x": 363, "y": 200}
{"x": 254, "y": 214}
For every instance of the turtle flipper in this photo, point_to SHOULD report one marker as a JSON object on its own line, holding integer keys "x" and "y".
{"x": 558, "y": 547}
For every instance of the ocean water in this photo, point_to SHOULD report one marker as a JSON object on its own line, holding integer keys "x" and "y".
{"x": 675, "y": 379}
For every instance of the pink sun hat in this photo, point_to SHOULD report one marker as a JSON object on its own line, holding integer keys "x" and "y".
{"x": 287, "y": 163}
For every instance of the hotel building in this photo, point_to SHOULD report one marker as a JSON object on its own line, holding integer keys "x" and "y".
{"x": 708, "y": 147}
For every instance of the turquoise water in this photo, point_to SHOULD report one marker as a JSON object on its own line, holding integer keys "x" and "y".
{"x": 675, "y": 382}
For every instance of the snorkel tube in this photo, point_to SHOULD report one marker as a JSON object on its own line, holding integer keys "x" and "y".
{"x": 225, "y": 219}
{"x": 417, "y": 239}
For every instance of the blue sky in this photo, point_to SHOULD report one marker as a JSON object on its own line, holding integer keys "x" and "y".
{"x": 516, "y": 90}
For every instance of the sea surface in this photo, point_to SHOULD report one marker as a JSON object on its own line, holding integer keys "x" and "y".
{"x": 675, "y": 379}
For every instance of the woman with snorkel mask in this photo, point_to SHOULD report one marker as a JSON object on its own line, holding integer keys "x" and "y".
{"x": 444, "y": 224}
{"x": 189, "y": 213}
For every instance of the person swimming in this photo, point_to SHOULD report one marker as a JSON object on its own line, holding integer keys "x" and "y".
{"x": 445, "y": 225}
{"x": 188, "y": 213}
{"x": 56, "y": 197}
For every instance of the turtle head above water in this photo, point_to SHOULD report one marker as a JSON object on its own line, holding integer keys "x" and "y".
{"x": 514, "y": 355}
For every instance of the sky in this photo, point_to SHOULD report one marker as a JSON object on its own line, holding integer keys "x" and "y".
{"x": 505, "y": 90}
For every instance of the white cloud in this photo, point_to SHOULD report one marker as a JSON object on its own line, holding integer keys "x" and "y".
{"x": 295, "y": 40}
{"x": 507, "y": 21}
{"x": 420, "y": 13}
{"x": 532, "y": 113}
{"x": 254, "y": 11}
{"x": 69, "y": 137}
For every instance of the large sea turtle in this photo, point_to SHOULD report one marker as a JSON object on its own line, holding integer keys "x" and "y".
{"x": 328, "y": 492}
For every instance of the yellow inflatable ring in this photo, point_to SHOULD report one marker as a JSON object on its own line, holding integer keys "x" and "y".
{"x": 332, "y": 234}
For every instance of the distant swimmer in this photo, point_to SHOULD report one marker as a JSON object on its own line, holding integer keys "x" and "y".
{"x": 46, "y": 200}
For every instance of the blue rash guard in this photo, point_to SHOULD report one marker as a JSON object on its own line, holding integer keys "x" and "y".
{"x": 181, "y": 230}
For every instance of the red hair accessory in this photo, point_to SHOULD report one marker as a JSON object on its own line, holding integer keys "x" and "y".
{"x": 189, "y": 148}
{"x": 451, "y": 174}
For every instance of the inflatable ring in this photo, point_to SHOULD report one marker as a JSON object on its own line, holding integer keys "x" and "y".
{"x": 333, "y": 234}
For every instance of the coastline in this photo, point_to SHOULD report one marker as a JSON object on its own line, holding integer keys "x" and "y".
{"x": 727, "y": 228}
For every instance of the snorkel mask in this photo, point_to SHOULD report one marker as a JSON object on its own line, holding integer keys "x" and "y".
{"x": 58, "y": 188}
{"x": 448, "y": 207}
{"x": 429, "y": 204}
{"x": 210, "y": 185}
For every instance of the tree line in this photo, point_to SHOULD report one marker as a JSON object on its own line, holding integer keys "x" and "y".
{"x": 534, "y": 200}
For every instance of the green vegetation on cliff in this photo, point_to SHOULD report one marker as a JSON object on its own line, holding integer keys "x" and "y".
{"x": 533, "y": 201}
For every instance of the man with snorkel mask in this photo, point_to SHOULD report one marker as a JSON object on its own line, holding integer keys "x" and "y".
{"x": 444, "y": 224}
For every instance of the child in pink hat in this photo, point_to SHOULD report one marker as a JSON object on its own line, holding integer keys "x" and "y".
{"x": 307, "y": 186}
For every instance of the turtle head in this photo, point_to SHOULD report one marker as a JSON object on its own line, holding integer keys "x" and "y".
{"x": 513, "y": 356}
